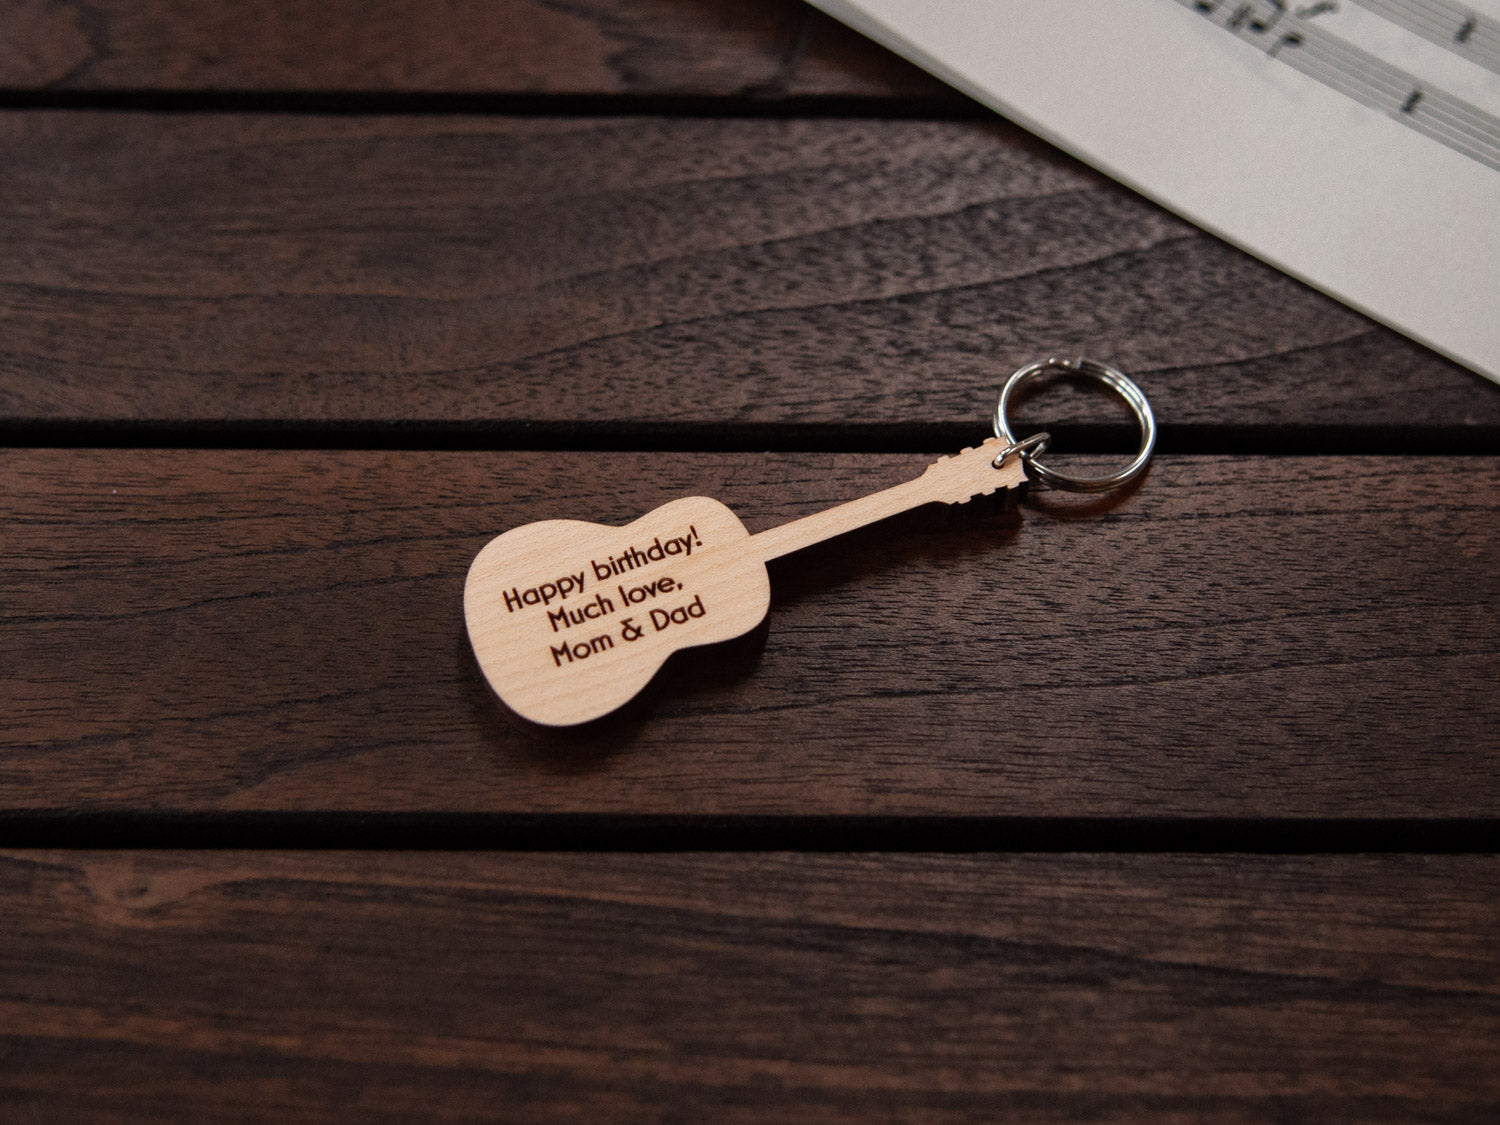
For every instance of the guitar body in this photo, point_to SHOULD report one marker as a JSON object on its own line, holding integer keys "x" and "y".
{"x": 570, "y": 619}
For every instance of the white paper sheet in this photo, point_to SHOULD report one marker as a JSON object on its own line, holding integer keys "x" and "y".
{"x": 1354, "y": 144}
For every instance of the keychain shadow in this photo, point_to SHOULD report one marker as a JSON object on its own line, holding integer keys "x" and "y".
{"x": 983, "y": 526}
{"x": 589, "y": 746}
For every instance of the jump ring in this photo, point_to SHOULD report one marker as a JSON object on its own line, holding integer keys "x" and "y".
{"x": 1118, "y": 382}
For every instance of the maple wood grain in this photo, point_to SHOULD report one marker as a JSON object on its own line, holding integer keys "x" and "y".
{"x": 634, "y": 275}
{"x": 1254, "y": 637}
{"x": 718, "y": 48}
{"x": 436, "y": 986}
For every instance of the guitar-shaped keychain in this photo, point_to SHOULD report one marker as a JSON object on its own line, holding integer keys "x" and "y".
{"x": 570, "y": 620}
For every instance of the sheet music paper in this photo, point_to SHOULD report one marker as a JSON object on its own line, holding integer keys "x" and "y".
{"x": 1353, "y": 143}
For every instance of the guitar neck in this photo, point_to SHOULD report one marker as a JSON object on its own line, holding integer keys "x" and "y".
{"x": 788, "y": 537}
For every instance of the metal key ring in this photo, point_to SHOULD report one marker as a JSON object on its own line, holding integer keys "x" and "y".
{"x": 1117, "y": 381}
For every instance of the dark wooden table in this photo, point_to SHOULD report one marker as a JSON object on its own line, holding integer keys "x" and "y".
{"x": 1179, "y": 806}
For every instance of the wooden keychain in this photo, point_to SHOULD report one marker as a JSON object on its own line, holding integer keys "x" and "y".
{"x": 569, "y": 620}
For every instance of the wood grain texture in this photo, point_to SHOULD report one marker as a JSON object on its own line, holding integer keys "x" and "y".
{"x": 635, "y": 275}
{"x": 765, "y": 50}
{"x": 201, "y": 631}
{"x": 460, "y": 987}
{"x": 213, "y": 633}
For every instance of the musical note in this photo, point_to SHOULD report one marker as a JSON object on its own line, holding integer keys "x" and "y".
{"x": 1245, "y": 15}
{"x": 1264, "y": 25}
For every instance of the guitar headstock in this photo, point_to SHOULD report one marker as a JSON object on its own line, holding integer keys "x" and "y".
{"x": 972, "y": 472}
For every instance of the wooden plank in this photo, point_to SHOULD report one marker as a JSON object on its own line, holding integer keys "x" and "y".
{"x": 630, "y": 275}
{"x": 433, "y": 986}
{"x": 1241, "y": 637}
{"x": 717, "y": 48}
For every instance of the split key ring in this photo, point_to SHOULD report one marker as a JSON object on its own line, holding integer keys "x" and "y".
{"x": 1112, "y": 378}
